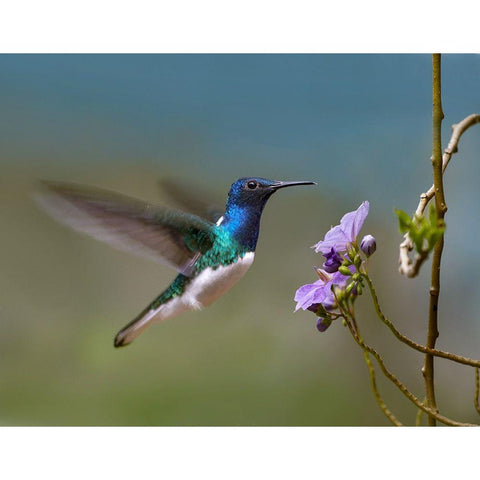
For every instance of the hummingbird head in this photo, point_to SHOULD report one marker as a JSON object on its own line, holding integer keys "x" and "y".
{"x": 254, "y": 192}
{"x": 245, "y": 203}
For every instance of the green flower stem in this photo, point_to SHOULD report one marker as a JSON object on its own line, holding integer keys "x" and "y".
{"x": 477, "y": 390}
{"x": 421, "y": 348}
{"x": 431, "y": 412}
{"x": 380, "y": 401}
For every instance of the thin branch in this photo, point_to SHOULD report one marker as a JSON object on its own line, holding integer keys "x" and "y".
{"x": 408, "y": 266}
{"x": 371, "y": 370}
{"x": 381, "y": 403}
{"x": 440, "y": 209}
{"x": 418, "y": 418}
{"x": 477, "y": 390}
{"x": 417, "y": 346}
{"x": 353, "y": 326}
{"x": 400, "y": 385}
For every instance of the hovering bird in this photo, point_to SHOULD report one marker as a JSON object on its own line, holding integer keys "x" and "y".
{"x": 210, "y": 254}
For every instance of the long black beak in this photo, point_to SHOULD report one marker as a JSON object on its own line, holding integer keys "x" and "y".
{"x": 278, "y": 185}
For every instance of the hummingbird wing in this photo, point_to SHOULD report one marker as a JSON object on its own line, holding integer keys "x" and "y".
{"x": 167, "y": 236}
{"x": 192, "y": 198}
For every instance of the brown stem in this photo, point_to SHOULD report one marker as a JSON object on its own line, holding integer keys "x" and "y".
{"x": 408, "y": 266}
{"x": 399, "y": 384}
{"x": 381, "y": 403}
{"x": 417, "y": 346}
{"x": 441, "y": 208}
{"x": 477, "y": 390}
{"x": 383, "y": 407}
{"x": 418, "y": 418}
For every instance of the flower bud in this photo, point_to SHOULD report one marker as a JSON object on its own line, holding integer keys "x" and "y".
{"x": 368, "y": 245}
{"x": 351, "y": 252}
{"x": 323, "y": 324}
{"x": 344, "y": 270}
{"x": 357, "y": 260}
{"x": 350, "y": 287}
{"x": 353, "y": 288}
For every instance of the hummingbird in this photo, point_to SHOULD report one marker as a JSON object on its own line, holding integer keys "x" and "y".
{"x": 210, "y": 252}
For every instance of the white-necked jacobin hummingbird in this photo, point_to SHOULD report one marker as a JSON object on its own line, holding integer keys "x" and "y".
{"x": 211, "y": 255}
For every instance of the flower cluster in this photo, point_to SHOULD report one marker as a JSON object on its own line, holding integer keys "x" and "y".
{"x": 340, "y": 280}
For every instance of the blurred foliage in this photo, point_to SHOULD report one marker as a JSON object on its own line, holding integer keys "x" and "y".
{"x": 424, "y": 232}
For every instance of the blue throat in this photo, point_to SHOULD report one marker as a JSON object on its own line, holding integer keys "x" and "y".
{"x": 243, "y": 223}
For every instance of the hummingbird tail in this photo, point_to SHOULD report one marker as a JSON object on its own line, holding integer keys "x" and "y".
{"x": 167, "y": 305}
{"x": 154, "y": 313}
{"x": 140, "y": 323}
{"x": 131, "y": 331}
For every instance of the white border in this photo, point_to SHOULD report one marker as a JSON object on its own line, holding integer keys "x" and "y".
{"x": 258, "y": 26}
{"x": 238, "y": 453}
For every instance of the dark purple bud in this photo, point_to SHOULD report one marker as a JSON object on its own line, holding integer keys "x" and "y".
{"x": 333, "y": 261}
{"x": 323, "y": 324}
{"x": 368, "y": 245}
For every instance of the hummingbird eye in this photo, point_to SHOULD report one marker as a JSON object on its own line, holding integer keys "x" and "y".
{"x": 252, "y": 185}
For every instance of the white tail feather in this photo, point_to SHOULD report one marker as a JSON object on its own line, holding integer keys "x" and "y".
{"x": 148, "y": 317}
{"x": 129, "y": 333}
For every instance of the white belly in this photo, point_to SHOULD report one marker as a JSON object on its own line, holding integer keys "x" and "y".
{"x": 206, "y": 287}
{"x": 211, "y": 284}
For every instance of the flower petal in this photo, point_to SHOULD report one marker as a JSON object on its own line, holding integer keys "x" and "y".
{"x": 340, "y": 236}
{"x": 311, "y": 293}
{"x": 334, "y": 238}
{"x": 304, "y": 295}
{"x": 351, "y": 223}
{"x": 341, "y": 280}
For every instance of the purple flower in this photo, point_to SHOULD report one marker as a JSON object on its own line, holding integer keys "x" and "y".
{"x": 341, "y": 271}
{"x": 320, "y": 291}
{"x": 333, "y": 261}
{"x": 340, "y": 236}
{"x": 368, "y": 245}
{"x": 313, "y": 294}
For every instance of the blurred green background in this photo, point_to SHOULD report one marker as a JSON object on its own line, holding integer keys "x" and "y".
{"x": 359, "y": 125}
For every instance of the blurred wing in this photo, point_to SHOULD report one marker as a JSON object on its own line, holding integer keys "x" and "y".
{"x": 166, "y": 236}
{"x": 192, "y": 199}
